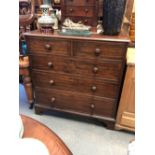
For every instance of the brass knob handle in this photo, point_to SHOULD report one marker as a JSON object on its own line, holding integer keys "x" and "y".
{"x": 71, "y": 10}
{"x": 53, "y": 99}
{"x": 48, "y": 47}
{"x": 50, "y": 64}
{"x": 92, "y": 106}
{"x": 85, "y": 20}
{"x": 93, "y": 88}
{"x": 51, "y": 82}
{"x": 86, "y": 10}
{"x": 95, "y": 69}
{"x": 97, "y": 51}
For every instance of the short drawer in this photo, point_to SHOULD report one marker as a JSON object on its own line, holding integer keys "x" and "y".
{"x": 78, "y": 102}
{"x": 108, "y": 70}
{"x": 54, "y": 80}
{"x": 49, "y": 46}
{"x": 79, "y": 11}
{"x": 99, "y": 50}
{"x": 79, "y": 2}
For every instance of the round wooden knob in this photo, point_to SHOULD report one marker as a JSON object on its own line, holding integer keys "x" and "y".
{"x": 93, "y": 88}
{"x": 97, "y": 51}
{"x": 48, "y": 47}
{"x": 85, "y": 20}
{"x": 92, "y": 106}
{"x": 95, "y": 69}
{"x": 53, "y": 99}
{"x": 71, "y": 10}
{"x": 50, "y": 64}
{"x": 51, "y": 82}
{"x": 86, "y": 10}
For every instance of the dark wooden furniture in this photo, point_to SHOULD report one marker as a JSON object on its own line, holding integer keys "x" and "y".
{"x": 24, "y": 72}
{"x": 80, "y": 10}
{"x": 126, "y": 111}
{"x": 80, "y": 75}
{"x": 26, "y": 18}
{"x": 35, "y": 129}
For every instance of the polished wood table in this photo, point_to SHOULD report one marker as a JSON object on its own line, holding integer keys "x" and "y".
{"x": 35, "y": 129}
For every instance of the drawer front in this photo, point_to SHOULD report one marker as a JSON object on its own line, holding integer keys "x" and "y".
{"x": 79, "y": 2}
{"x": 77, "y": 102}
{"x": 84, "y": 20}
{"x": 100, "y": 50}
{"x": 63, "y": 100}
{"x": 68, "y": 82}
{"x": 101, "y": 69}
{"x": 104, "y": 107}
{"x": 109, "y": 70}
{"x": 50, "y": 63}
{"x": 49, "y": 46}
{"x": 79, "y": 11}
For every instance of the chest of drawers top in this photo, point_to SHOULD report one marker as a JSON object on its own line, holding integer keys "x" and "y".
{"x": 122, "y": 37}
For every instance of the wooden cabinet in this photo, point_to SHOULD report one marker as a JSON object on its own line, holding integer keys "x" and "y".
{"x": 81, "y": 10}
{"x": 126, "y": 110}
{"x": 78, "y": 75}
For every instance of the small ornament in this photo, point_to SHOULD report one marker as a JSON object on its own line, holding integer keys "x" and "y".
{"x": 45, "y": 22}
{"x": 57, "y": 1}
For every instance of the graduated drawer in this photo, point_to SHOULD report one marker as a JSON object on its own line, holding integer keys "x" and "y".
{"x": 49, "y": 46}
{"x": 79, "y": 11}
{"x": 99, "y": 50}
{"x": 78, "y": 102}
{"x": 110, "y": 70}
{"x": 79, "y": 2}
{"x": 75, "y": 83}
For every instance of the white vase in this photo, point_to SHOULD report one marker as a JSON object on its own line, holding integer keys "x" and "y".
{"x": 45, "y": 20}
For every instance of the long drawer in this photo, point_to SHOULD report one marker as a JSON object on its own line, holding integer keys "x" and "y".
{"x": 78, "y": 102}
{"x": 104, "y": 69}
{"x": 74, "y": 83}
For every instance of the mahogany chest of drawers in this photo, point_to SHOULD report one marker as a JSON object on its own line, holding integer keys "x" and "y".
{"x": 85, "y": 11}
{"x": 80, "y": 75}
